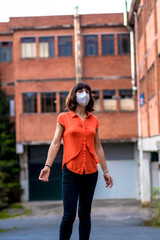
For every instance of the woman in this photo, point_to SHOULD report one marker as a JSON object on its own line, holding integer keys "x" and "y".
{"x": 82, "y": 152}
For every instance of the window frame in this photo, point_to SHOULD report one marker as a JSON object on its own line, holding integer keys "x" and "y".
{"x": 114, "y": 101}
{"x": 120, "y": 44}
{"x": 6, "y": 48}
{"x": 61, "y": 48}
{"x": 88, "y": 45}
{"x": 51, "y": 45}
{"x": 26, "y": 104}
{"x": 24, "y": 42}
{"x": 108, "y": 38}
{"x": 63, "y": 100}
{"x": 97, "y": 94}
{"x": 44, "y": 102}
{"x": 127, "y": 95}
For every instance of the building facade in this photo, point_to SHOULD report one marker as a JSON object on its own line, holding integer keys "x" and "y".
{"x": 41, "y": 59}
{"x": 144, "y": 18}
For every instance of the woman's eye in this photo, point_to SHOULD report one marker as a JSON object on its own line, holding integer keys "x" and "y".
{"x": 79, "y": 91}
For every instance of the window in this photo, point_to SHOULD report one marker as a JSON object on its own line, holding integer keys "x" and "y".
{"x": 123, "y": 44}
{"x": 108, "y": 44}
{"x": 5, "y": 51}
{"x": 126, "y": 100}
{"x": 48, "y": 102}
{"x": 28, "y": 47}
{"x": 108, "y": 94}
{"x": 95, "y": 95}
{"x": 65, "y": 46}
{"x": 29, "y": 102}
{"x": 63, "y": 96}
{"x": 109, "y": 104}
{"x": 11, "y": 105}
{"x": 125, "y": 93}
{"x": 46, "y": 46}
{"x": 91, "y": 45}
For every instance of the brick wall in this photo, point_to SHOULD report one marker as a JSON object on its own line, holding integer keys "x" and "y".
{"x": 58, "y": 74}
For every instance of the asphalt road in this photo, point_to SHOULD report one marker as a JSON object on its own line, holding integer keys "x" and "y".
{"x": 108, "y": 223}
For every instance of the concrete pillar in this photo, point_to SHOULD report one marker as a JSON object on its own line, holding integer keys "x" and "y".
{"x": 137, "y": 177}
{"x": 145, "y": 178}
{"x": 24, "y": 175}
{"x": 78, "y": 51}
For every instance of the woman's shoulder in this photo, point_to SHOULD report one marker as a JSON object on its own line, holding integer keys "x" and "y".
{"x": 93, "y": 116}
{"x": 63, "y": 114}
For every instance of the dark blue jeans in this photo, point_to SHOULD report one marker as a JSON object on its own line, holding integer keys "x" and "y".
{"x": 77, "y": 187}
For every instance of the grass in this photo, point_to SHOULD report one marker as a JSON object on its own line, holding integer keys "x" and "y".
{"x": 8, "y": 229}
{"x": 5, "y": 213}
{"x": 155, "y": 222}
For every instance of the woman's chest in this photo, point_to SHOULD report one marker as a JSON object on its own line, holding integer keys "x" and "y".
{"x": 80, "y": 128}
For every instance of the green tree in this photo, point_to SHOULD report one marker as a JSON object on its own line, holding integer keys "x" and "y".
{"x": 9, "y": 164}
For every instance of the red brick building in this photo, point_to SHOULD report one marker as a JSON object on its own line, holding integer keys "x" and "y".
{"x": 40, "y": 60}
{"x": 144, "y": 17}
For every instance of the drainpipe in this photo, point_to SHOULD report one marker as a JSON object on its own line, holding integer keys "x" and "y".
{"x": 125, "y": 23}
{"x": 140, "y": 147}
{"x": 77, "y": 41}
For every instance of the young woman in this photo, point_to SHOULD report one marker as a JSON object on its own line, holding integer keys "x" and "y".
{"x": 82, "y": 152}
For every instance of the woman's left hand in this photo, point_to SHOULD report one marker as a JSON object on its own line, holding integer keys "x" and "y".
{"x": 108, "y": 179}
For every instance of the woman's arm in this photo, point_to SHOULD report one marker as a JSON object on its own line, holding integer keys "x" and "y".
{"x": 101, "y": 157}
{"x": 52, "y": 152}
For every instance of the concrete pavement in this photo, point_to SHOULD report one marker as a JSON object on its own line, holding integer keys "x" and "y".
{"x": 111, "y": 220}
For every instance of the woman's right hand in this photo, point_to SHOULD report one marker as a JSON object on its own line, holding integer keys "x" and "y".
{"x": 44, "y": 174}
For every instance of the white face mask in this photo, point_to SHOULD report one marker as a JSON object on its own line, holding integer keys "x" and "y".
{"x": 83, "y": 98}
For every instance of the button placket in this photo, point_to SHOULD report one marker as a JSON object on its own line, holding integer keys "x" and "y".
{"x": 84, "y": 145}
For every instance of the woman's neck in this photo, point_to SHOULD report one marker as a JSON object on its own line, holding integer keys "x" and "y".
{"x": 80, "y": 110}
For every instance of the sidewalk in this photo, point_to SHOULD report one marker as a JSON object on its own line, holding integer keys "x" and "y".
{"x": 102, "y": 208}
{"x": 111, "y": 220}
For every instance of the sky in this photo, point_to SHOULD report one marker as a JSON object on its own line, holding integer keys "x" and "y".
{"x": 23, "y": 8}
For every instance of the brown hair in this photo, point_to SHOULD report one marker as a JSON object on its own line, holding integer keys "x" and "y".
{"x": 71, "y": 102}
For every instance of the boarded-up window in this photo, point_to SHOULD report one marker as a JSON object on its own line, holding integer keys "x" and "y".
{"x": 109, "y": 104}
{"x": 126, "y": 100}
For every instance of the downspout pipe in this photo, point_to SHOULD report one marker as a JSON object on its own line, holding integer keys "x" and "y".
{"x": 132, "y": 50}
